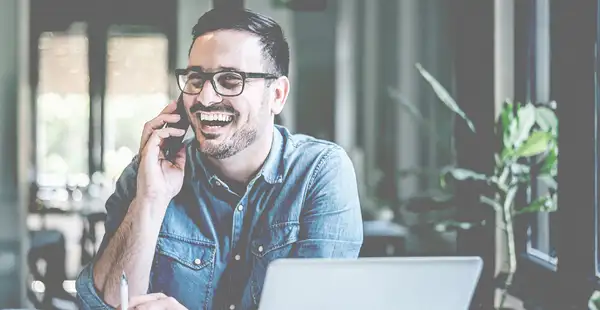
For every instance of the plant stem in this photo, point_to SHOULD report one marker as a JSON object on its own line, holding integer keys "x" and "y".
{"x": 512, "y": 258}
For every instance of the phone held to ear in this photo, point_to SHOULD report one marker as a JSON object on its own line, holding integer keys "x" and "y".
{"x": 172, "y": 144}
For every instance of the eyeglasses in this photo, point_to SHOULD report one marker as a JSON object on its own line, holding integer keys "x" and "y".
{"x": 227, "y": 83}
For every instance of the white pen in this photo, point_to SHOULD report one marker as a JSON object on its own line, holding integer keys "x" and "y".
{"x": 124, "y": 292}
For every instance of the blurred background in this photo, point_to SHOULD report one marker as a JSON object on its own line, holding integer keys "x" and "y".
{"x": 78, "y": 79}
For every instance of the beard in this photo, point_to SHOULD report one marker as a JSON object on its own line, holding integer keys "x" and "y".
{"x": 239, "y": 140}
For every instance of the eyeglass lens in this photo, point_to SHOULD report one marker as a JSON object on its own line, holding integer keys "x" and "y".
{"x": 225, "y": 83}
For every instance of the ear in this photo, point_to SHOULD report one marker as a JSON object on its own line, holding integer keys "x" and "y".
{"x": 282, "y": 89}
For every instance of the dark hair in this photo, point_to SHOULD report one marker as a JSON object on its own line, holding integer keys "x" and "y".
{"x": 275, "y": 47}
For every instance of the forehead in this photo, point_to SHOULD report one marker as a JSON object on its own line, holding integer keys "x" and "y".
{"x": 227, "y": 48}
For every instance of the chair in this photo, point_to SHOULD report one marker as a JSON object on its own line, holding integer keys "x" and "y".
{"x": 48, "y": 246}
{"x": 89, "y": 236}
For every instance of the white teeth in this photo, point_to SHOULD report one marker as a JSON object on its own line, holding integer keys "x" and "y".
{"x": 215, "y": 117}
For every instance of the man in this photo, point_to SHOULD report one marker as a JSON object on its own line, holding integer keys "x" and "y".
{"x": 199, "y": 231}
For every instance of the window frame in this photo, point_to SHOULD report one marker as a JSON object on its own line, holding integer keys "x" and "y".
{"x": 525, "y": 85}
{"x": 573, "y": 31}
{"x": 537, "y": 94}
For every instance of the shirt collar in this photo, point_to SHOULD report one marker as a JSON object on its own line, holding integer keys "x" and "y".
{"x": 271, "y": 171}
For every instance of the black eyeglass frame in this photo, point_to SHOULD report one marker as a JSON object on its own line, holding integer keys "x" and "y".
{"x": 210, "y": 76}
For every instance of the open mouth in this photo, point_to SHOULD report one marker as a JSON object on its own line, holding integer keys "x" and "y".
{"x": 215, "y": 119}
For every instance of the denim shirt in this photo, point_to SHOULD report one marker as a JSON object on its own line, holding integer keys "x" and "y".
{"x": 214, "y": 245}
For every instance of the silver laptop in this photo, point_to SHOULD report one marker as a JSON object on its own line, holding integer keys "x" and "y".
{"x": 412, "y": 283}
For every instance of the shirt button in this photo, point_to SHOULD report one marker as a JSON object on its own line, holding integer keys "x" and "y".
{"x": 232, "y": 307}
{"x": 238, "y": 257}
{"x": 260, "y": 248}
{"x": 197, "y": 261}
{"x": 240, "y": 208}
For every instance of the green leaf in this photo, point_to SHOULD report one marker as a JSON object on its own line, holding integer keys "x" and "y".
{"x": 405, "y": 103}
{"x": 460, "y": 174}
{"x": 507, "y": 153}
{"x": 546, "y": 119}
{"x": 509, "y": 135}
{"x": 505, "y": 119}
{"x": 518, "y": 169}
{"x": 548, "y": 181}
{"x": 543, "y": 204}
{"x": 521, "y": 126}
{"x": 550, "y": 163}
{"x": 536, "y": 144}
{"x": 535, "y": 206}
{"x": 507, "y": 115}
{"x": 444, "y": 96}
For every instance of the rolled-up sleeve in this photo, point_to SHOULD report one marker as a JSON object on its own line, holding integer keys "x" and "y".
{"x": 117, "y": 204}
{"x": 87, "y": 295}
{"x": 331, "y": 221}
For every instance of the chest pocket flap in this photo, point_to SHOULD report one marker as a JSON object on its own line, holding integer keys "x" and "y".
{"x": 275, "y": 237}
{"x": 194, "y": 254}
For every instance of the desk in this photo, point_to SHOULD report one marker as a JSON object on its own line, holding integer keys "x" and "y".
{"x": 383, "y": 238}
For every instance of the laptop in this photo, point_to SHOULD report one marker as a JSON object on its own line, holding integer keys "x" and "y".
{"x": 407, "y": 283}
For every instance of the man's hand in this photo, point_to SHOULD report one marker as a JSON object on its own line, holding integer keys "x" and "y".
{"x": 132, "y": 246}
{"x": 154, "y": 301}
{"x": 159, "y": 179}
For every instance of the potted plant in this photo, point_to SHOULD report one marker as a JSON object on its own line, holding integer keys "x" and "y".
{"x": 526, "y": 138}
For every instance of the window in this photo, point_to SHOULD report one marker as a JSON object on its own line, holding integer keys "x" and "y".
{"x": 136, "y": 91}
{"x": 542, "y": 230}
{"x": 572, "y": 228}
{"x": 62, "y": 106}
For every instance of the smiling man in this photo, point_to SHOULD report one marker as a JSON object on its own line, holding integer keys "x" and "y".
{"x": 199, "y": 231}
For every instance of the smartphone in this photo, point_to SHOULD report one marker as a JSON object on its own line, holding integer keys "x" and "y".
{"x": 171, "y": 145}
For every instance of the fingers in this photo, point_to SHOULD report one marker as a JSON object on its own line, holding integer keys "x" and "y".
{"x": 152, "y": 147}
{"x": 163, "y": 303}
{"x": 170, "y": 108}
{"x": 156, "y": 123}
{"x": 142, "y": 299}
{"x": 167, "y": 115}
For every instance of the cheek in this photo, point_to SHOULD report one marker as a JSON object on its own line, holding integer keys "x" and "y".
{"x": 188, "y": 101}
{"x": 245, "y": 108}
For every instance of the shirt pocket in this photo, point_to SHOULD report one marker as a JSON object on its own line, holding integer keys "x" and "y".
{"x": 184, "y": 269}
{"x": 274, "y": 243}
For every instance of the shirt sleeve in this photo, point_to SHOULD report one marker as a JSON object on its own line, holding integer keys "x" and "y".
{"x": 117, "y": 204}
{"x": 331, "y": 221}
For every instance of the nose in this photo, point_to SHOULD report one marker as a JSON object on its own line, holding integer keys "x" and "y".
{"x": 208, "y": 95}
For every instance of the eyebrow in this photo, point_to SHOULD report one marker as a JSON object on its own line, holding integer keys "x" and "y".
{"x": 201, "y": 69}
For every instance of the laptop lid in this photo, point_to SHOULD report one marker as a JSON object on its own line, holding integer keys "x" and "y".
{"x": 408, "y": 283}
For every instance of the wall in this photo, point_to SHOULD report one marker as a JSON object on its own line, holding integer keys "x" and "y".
{"x": 315, "y": 65}
{"x": 13, "y": 29}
